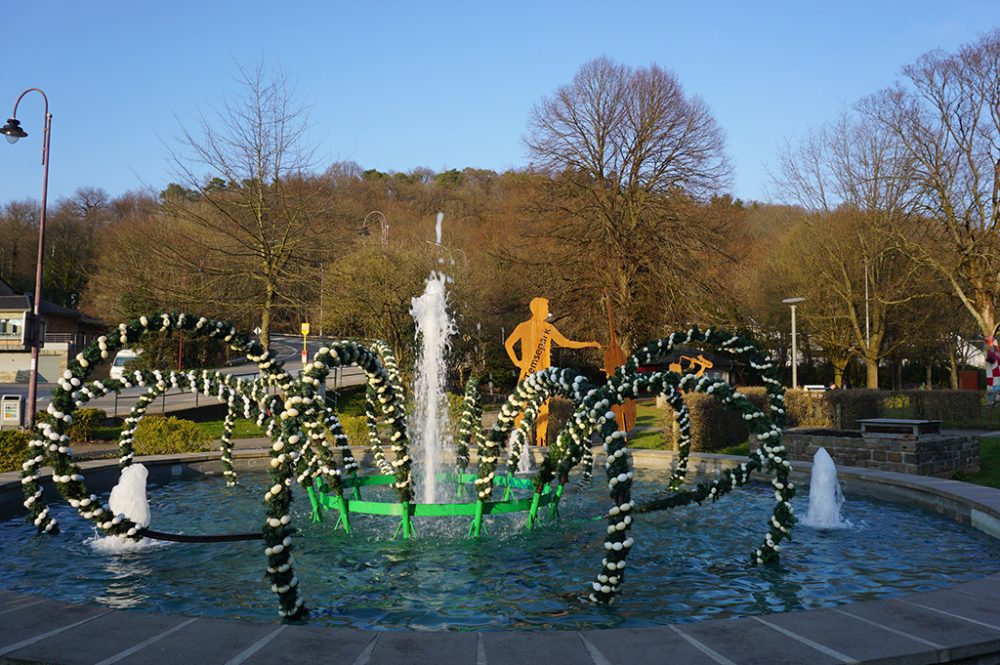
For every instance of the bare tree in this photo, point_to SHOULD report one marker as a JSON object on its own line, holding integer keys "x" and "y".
{"x": 257, "y": 215}
{"x": 625, "y": 148}
{"x": 856, "y": 175}
{"x": 947, "y": 116}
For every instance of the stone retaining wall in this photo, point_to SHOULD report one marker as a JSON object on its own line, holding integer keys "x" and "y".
{"x": 940, "y": 456}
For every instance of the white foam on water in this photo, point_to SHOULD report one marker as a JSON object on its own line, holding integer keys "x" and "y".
{"x": 128, "y": 497}
{"x": 825, "y": 497}
{"x": 122, "y": 545}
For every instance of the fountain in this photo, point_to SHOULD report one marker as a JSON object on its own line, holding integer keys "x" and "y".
{"x": 430, "y": 424}
{"x": 825, "y": 497}
{"x": 310, "y": 449}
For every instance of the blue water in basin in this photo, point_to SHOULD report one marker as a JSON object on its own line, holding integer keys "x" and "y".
{"x": 688, "y": 564}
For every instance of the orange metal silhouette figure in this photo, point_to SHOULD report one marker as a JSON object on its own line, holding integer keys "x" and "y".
{"x": 536, "y": 337}
{"x": 701, "y": 362}
{"x": 614, "y": 358}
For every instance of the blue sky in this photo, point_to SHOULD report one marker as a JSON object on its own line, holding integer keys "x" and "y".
{"x": 396, "y": 85}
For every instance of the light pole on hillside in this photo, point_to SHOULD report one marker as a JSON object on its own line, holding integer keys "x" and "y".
{"x": 12, "y": 130}
{"x": 792, "y": 302}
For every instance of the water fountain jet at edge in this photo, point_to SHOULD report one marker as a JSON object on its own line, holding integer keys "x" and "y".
{"x": 430, "y": 428}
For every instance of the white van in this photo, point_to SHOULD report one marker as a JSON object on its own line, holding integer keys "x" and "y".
{"x": 118, "y": 365}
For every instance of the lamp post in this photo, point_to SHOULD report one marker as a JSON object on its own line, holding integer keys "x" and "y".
{"x": 12, "y": 130}
{"x": 792, "y": 302}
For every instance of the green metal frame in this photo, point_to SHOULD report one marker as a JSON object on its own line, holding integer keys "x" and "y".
{"x": 322, "y": 501}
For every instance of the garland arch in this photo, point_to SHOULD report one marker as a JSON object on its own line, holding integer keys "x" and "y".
{"x": 298, "y": 419}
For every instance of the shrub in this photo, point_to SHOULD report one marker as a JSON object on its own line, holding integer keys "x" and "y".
{"x": 13, "y": 449}
{"x": 356, "y": 429}
{"x": 85, "y": 421}
{"x": 560, "y": 410}
{"x": 837, "y": 409}
{"x": 159, "y": 435}
{"x": 943, "y": 404}
{"x": 714, "y": 425}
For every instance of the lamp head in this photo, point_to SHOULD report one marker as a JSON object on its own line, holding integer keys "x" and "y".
{"x": 12, "y": 130}
{"x": 792, "y": 301}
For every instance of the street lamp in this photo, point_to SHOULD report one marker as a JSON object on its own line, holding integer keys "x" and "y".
{"x": 792, "y": 302}
{"x": 12, "y": 130}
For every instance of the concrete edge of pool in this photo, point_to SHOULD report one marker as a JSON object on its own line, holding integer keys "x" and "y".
{"x": 958, "y": 624}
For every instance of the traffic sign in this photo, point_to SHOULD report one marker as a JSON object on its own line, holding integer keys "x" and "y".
{"x": 305, "y": 329}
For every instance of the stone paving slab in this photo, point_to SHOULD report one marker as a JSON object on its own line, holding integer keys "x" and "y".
{"x": 985, "y": 611}
{"x": 205, "y": 642}
{"x": 34, "y": 621}
{"x": 749, "y": 642}
{"x": 442, "y": 649}
{"x": 100, "y": 639}
{"x": 958, "y": 638}
{"x": 301, "y": 645}
{"x": 646, "y": 646}
{"x": 551, "y": 648}
{"x": 856, "y": 637}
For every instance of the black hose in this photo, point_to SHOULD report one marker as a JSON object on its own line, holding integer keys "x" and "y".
{"x": 184, "y": 538}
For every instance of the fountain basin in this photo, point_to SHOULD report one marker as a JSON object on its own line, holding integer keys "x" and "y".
{"x": 925, "y": 627}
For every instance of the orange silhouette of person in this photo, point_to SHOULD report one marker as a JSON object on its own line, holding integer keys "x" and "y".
{"x": 536, "y": 337}
{"x": 614, "y": 357}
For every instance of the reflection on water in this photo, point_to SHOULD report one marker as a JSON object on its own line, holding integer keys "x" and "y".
{"x": 688, "y": 565}
{"x": 124, "y": 587}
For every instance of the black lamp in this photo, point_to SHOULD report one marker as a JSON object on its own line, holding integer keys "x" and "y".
{"x": 12, "y": 130}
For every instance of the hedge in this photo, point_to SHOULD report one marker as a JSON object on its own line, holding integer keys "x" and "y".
{"x": 13, "y": 449}
{"x": 842, "y": 409}
{"x": 159, "y": 435}
{"x": 85, "y": 421}
{"x": 837, "y": 409}
{"x": 943, "y": 404}
{"x": 713, "y": 425}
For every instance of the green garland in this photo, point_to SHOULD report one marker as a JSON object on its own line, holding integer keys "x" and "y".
{"x": 371, "y": 423}
{"x": 388, "y": 394}
{"x": 299, "y": 421}
{"x": 470, "y": 424}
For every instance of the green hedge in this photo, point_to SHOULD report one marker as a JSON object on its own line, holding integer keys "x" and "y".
{"x": 837, "y": 409}
{"x": 714, "y": 426}
{"x": 842, "y": 409}
{"x": 85, "y": 421}
{"x": 13, "y": 449}
{"x": 942, "y": 404}
{"x": 355, "y": 428}
{"x": 560, "y": 410}
{"x": 159, "y": 435}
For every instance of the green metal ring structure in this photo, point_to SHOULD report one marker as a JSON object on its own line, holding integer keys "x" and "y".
{"x": 322, "y": 499}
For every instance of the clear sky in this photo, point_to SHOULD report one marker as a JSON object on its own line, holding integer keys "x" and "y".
{"x": 397, "y": 85}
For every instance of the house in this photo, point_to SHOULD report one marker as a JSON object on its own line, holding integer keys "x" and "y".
{"x": 66, "y": 331}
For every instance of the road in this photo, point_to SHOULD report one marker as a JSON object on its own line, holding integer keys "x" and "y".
{"x": 287, "y": 349}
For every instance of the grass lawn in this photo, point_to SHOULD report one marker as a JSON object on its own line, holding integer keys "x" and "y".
{"x": 351, "y": 401}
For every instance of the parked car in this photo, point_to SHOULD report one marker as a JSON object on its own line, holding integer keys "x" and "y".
{"x": 121, "y": 359}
